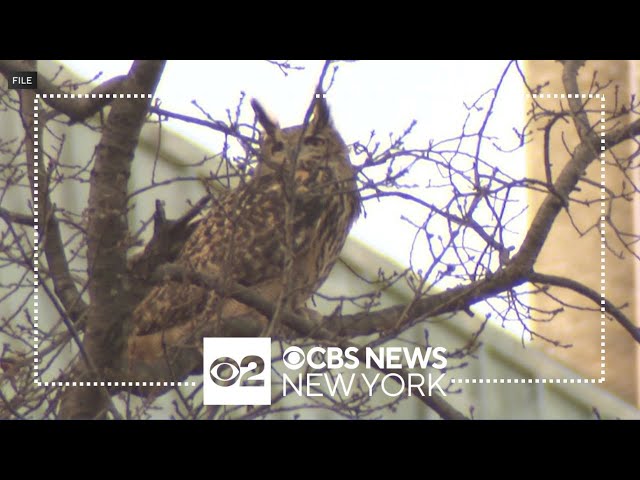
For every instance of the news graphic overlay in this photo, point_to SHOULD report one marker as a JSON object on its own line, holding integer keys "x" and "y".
{"x": 237, "y": 371}
{"x": 334, "y": 371}
{"x": 23, "y": 80}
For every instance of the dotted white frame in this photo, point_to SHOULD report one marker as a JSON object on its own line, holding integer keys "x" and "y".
{"x": 36, "y": 280}
{"x": 602, "y": 263}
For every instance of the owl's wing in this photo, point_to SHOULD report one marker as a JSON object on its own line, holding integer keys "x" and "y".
{"x": 242, "y": 238}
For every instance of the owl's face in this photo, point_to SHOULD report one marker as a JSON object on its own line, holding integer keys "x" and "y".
{"x": 317, "y": 144}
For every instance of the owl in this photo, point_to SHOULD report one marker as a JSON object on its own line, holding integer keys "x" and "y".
{"x": 280, "y": 233}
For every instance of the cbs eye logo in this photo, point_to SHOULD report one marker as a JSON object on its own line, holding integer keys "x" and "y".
{"x": 225, "y": 371}
{"x": 237, "y": 371}
{"x": 293, "y": 358}
{"x": 321, "y": 357}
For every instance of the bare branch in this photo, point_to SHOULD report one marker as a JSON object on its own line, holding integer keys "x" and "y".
{"x": 620, "y": 134}
{"x": 60, "y": 275}
{"x": 546, "y": 215}
{"x": 570, "y": 81}
{"x": 75, "y": 109}
{"x": 51, "y": 242}
{"x": 591, "y": 294}
{"x": 19, "y": 218}
{"x": 105, "y": 337}
{"x": 214, "y": 125}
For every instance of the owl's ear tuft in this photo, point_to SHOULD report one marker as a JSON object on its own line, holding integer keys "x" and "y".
{"x": 321, "y": 116}
{"x": 270, "y": 126}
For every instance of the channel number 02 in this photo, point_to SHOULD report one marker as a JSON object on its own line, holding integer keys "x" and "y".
{"x": 225, "y": 371}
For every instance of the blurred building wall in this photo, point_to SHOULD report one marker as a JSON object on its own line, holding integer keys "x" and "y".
{"x": 573, "y": 255}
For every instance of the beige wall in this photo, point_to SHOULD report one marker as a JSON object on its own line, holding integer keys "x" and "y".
{"x": 578, "y": 256}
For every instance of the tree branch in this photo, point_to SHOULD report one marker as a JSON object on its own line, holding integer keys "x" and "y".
{"x": 587, "y": 292}
{"x": 75, "y": 109}
{"x": 576, "y": 108}
{"x": 105, "y": 337}
{"x": 622, "y": 133}
{"x": 583, "y": 155}
{"x": 59, "y": 272}
{"x": 19, "y": 218}
{"x": 51, "y": 242}
{"x": 546, "y": 215}
{"x": 214, "y": 125}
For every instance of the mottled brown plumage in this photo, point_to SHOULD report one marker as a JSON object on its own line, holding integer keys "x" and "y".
{"x": 303, "y": 174}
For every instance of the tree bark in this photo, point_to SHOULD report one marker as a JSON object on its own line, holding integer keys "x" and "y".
{"x": 109, "y": 290}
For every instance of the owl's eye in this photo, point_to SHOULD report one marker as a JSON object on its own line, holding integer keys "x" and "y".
{"x": 314, "y": 141}
{"x": 277, "y": 147}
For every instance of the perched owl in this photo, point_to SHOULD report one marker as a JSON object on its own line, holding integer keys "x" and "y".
{"x": 299, "y": 205}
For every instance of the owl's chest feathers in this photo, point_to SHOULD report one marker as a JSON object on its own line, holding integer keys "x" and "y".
{"x": 316, "y": 258}
{"x": 250, "y": 230}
